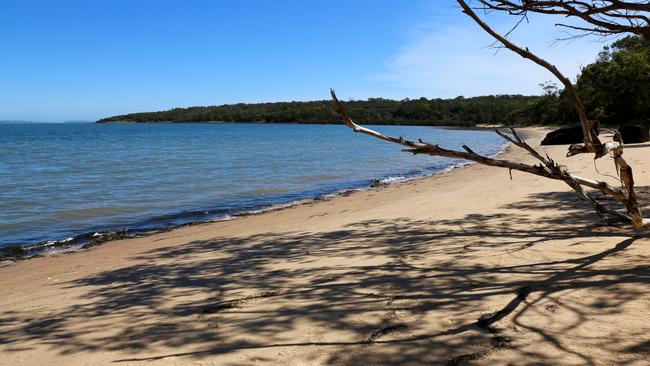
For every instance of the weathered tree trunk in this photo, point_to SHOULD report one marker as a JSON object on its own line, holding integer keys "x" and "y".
{"x": 548, "y": 168}
{"x": 602, "y": 17}
{"x": 591, "y": 143}
{"x": 605, "y": 19}
{"x": 590, "y": 138}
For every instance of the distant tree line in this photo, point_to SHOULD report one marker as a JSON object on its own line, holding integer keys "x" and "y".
{"x": 615, "y": 88}
{"x": 507, "y": 109}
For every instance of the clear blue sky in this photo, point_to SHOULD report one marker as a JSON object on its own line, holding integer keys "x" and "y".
{"x": 83, "y": 60}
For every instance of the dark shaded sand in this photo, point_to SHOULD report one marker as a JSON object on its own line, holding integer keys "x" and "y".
{"x": 468, "y": 267}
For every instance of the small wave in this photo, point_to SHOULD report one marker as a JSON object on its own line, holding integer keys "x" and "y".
{"x": 450, "y": 165}
{"x": 392, "y": 180}
{"x": 227, "y": 212}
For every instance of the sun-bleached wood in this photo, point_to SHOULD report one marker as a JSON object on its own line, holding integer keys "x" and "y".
{"x": 547, "y": 167}
{"x": 609, "y": 17}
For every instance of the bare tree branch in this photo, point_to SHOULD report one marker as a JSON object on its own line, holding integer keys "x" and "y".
{"x": 599, "y": 16}
{"x": 548, "y": 168}
{"x": 603, "y": 16}
{"x": 591, "y": 142}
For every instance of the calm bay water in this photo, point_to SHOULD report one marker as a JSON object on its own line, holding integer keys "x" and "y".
{"x": 61, "y": 180}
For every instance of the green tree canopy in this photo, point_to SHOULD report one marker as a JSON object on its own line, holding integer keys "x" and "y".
{"x": 616, "y": 88}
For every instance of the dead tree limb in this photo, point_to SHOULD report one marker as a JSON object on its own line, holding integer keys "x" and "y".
{"x": 600, "y": 17}
{"x": 606, "y": 16}
{"x": 547, "y": 168}
{"x": 591, "y": 142}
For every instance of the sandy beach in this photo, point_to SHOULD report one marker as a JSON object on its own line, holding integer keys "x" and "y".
{"x": 468, "y": 267}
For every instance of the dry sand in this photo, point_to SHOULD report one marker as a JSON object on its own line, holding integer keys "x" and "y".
{"x": 391, "y": 276}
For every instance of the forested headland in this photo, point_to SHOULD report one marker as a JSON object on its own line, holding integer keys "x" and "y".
{"x": 508, "y": 109}
{"x": 615, "y": 89}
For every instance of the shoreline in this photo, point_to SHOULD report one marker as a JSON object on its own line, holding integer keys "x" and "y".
{"x": 430, "y": 271}
{"x": 14, "y": 253}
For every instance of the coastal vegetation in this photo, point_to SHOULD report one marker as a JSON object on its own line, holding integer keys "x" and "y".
{"x": 615, "y": 89}
{"x": 460, "y": 111}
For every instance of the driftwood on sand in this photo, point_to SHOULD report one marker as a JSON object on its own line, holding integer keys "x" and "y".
{"x": 547, "y": 167}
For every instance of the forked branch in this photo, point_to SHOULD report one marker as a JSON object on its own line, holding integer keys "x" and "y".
{"x": 547, "y": 167}
{"x": 606, "y": 16}
{"x": 591, "y": 142}
{"x": 601, "y": 17}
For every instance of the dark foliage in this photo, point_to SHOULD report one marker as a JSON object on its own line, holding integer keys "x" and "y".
{"x": 505, "y": 109}
{"x": 633, "y": 134}
{"x": 615, "y": 90}
{"x": 564, "y": 136}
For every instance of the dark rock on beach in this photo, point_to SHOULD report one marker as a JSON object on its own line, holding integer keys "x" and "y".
{"x": 564, "y": 136}
{"x": 11, "y": 253}
{"x": 633, "y": 134}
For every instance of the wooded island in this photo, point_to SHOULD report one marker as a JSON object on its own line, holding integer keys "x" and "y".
{"x": 615, "y": 89}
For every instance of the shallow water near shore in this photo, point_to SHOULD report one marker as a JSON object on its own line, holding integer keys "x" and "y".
{"x": 60, "y": 181}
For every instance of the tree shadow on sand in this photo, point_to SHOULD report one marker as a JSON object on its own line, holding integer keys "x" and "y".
{"x": 380, "y": 292}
